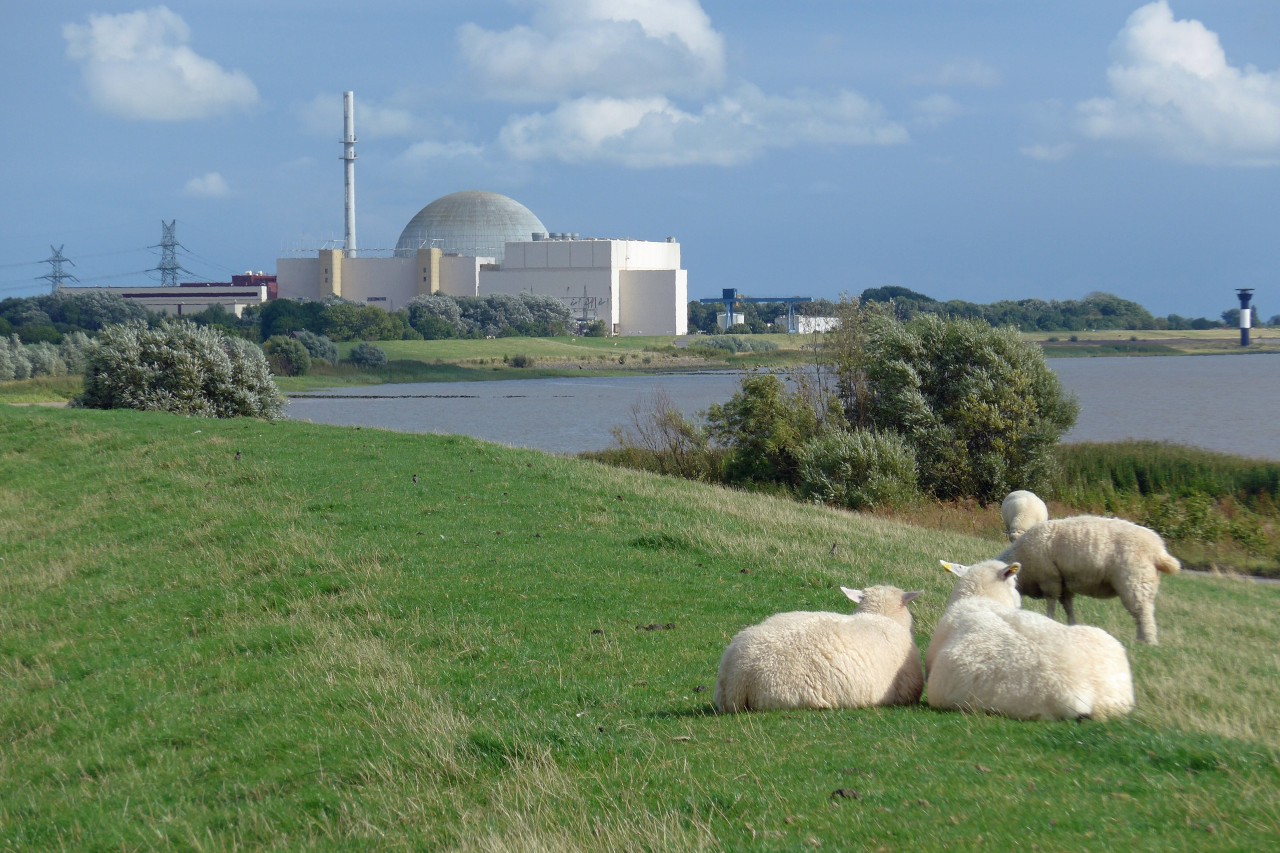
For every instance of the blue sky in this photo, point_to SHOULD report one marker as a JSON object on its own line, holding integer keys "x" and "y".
{"x": 966, "y": 149}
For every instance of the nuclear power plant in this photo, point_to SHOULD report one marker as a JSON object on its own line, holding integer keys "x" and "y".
{"x": 477, "y": 243}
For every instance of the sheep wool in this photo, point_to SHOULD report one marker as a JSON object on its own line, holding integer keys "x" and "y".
{"x": 825, "y": 660}
{"x": 1022, "y": 510}
{"x": 1097, "y": 557}
{"x": 988, "y": 655}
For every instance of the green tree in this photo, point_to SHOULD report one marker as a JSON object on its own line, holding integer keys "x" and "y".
{"x": 319, "y": 347}
{"x": 346, "y": 321}
{"x": 287, "y": 356}
{"x": 436, "y": 317}
{"x": 283, "y": 316}
{"x": 763, "y": 426}
{"x": 979, "y": 405}
{"x": 179, "y": 367}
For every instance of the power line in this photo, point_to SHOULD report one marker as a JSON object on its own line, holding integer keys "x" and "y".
{"x": 209, "y": 262}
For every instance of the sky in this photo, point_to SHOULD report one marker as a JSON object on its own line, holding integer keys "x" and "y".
{"x": 965, "y": 149}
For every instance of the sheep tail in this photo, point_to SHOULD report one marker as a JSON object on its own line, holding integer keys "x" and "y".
{"x": 1168, "y": 564}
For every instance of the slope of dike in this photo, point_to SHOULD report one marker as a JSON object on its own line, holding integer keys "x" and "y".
{"x": 235, "y": 633}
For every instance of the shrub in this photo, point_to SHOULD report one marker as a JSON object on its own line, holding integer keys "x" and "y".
{"x": 734, "y": 343}
{"x": 367, "y": 357}
{"x": 763, "y": 427}
{"x": 520, "y": 360}
{"x": 74, "y": 350}
{"x": 1189, "y": 518}
{"x": 319, "y": 347}
{"x": 45, "y": 359}
{"x": 287, "y": 356}
{"x": 979, "y": 405}
{"x": 436, "y": 317}
{"x": 596, "y": 329}
{"x": 660, "y": 438}
{"x": 181, "y": 368}
{"x": 858, "y": 469}
{"x": 14, "y": 363}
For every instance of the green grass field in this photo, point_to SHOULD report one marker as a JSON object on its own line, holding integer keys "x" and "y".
{"x": 301, "y": 648}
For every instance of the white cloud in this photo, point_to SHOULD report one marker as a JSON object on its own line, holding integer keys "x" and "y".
{"x": 209, "y": 185}
{"x": 137, "y": 65}
{"x": 962, "y": 73}
{"x": 1048, "y": 153}
{"x": 614, "y": 48}
{"x": 735, "y": 128}
{"x": 1173, "y": 90}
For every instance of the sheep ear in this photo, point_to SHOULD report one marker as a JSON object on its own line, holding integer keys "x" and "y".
{"x": 955, "y": 568}
{"x": 908, "y": 597}
{"x": 854, "y": 595}
{"x": 1011, "y": 570}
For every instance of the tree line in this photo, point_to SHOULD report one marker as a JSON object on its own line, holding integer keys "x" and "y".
{"x": 1095, "y": 311}
{"x": 49, "y": 317}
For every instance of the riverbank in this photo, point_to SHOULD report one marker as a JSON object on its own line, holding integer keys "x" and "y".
{"x": 268, "y": 635}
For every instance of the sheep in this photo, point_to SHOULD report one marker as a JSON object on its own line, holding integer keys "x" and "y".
{"x": 825, "y": 660}
{"x": 1022, "y": 510}
{"x": 989, "y": 655}
{"x": 1093, "y": 556}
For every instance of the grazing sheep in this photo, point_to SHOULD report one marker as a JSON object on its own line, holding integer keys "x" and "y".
{"x": 1093, "y": 556}
{"x": 825, "y": 660}
{"x": 988, "y": 655}
{"x": 1022, "y": 510}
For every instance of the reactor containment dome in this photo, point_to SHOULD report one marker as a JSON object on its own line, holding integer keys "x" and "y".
{"x": 472, "y": 223}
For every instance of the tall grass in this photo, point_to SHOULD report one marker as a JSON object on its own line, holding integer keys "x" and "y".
{"x": 303, "y": 648}
{"x": 1218, "y": 510}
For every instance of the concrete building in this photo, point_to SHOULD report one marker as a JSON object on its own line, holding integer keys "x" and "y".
{"x": 194, "y": 297}
{"x": 476, "y": 244}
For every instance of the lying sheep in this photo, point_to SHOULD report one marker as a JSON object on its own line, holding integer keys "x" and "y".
{"x": 1093, "y": 556}
{"x": 988, "y": 655}
{"x": 1022, "y": 510}
{"x": 825, "y": 660}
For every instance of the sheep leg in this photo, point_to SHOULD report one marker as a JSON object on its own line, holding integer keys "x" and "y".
{"x": 1050, "y": 606}
{"x": 1143, "y": 610}
{"x": 1068, "y": 604}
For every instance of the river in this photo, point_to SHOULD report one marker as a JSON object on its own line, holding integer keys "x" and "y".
{"x": 1228, "y": 403}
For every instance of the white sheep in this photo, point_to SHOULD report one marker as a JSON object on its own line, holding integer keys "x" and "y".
{"x": 1022, "y": 510}
{"x": 1094, "y": 556}
{"x": 825, "y": 660}
{"x": 988, "y": 655}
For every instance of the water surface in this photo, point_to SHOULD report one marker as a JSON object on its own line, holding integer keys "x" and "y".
{"x": 1229, "y": 403}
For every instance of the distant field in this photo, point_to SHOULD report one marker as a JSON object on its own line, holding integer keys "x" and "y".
{"x": 1154, "y": 342}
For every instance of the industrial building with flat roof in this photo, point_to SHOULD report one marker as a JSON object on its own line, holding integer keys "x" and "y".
{"x": 479, "y": 243}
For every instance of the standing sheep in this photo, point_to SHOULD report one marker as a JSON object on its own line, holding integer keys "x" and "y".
{"x": 825, "y": 660}
{"x": 988, "y": 655}
{"x": 1093, "y": 556}
{"x": 1022, "y": 510}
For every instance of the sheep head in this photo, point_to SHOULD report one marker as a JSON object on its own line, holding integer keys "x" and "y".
{"x": 885, "y": 600}
{"x": 988, "y": 579}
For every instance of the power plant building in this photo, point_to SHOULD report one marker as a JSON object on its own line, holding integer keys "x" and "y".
{"x": 480, "y": 243}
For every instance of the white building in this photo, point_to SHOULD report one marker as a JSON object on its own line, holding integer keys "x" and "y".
{"x": 453, "y": 246}
{"x": 186, "y": 299}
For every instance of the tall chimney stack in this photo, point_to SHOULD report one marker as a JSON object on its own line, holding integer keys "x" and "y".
{"x": 349, "y": 166}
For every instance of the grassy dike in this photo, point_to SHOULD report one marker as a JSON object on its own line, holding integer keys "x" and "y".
{"x": 301, "y": 648}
